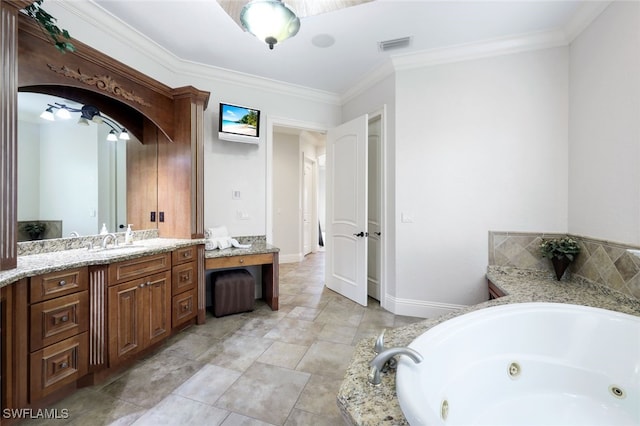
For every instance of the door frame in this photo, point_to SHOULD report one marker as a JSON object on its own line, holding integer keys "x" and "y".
{"x": 381, "y": 113}
{"x": 282, "y": 122}
{"x": 387, "y": 211}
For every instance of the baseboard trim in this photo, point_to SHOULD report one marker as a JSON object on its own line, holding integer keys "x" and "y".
{"x": 419, "y": 308}
{"x": 290, "y": 258}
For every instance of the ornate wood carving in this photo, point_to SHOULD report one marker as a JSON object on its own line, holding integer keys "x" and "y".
{"x": 102, "y": 82}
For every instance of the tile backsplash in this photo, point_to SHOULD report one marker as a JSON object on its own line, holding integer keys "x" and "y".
{"x": 604, "y": 262}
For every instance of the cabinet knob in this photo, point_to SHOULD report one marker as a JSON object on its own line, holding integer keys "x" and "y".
{"x": 63, "y": 365}
{"x": 62, "y": 283}
{"x": 64, "y": 319}
{"x": 142, "y": 285}
{"x": 241, "y": 260}
{"x": 185, "y": 254}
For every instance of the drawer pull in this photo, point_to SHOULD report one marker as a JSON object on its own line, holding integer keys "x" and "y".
{"x": 184, "y": 277}
{"x": 142, "y": 285}
{"x": 185, "y": 307}
{"x": 241, "y": 260}
{"x": 185, "y": 254}
{"x": 64, "y": 318}
{"x": 63, "y": 365}
{"x": 62, "y": 283}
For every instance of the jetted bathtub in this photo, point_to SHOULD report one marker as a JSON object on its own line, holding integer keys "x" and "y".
{"x": 525, "y": 364}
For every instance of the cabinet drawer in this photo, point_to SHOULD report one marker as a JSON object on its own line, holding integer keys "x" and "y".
{"x": 234, "y": 261}
{"x": 184, "y": 277}
{"x": 54, "y": 284}
{"x": 58, "y": 365}
{"x": 58, "y": 319}
{"x": 136, "y": 268}
{"x": 184, "y": 254}
{"x": 184, "y": 307}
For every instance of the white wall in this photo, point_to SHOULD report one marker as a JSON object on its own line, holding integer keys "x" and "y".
{"x": 480, "y": 145}
{"x": 604, "y": 160}
{"x": 69, "y": 155}
{"x": 28, "y": 171}
{"x": 286, "y": 196}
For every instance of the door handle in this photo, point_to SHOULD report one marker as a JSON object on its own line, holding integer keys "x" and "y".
{"x": 362, "y": 234}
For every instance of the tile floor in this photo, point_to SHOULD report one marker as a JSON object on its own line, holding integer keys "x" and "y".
{"x": 256, "y": 368}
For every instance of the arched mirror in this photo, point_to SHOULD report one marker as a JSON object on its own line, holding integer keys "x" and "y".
{"x": 72, "y": 172}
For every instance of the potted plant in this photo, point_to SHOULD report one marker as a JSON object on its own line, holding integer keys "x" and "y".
{"x": 34, "y": 229}
{"x": 561, "y": 251}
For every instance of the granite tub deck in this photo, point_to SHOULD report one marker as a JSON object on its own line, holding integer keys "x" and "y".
{"x": 364, "y": 404}
{"x": 43, "y": 263}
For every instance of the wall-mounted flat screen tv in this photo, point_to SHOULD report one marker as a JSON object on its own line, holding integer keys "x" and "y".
{"x": 239, "y": 124}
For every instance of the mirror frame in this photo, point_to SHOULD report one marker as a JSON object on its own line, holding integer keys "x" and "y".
{"x": 123, "y": 93}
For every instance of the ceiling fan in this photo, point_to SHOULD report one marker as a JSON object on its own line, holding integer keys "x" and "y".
{"x": 289, "y": 12}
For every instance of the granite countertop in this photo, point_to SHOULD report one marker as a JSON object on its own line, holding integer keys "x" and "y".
{"x": 42, "y": 263}
{"x": 257, "y": 247}
{"x": 364, "y": 404}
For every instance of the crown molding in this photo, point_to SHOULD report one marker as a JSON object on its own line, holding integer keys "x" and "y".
{"x": 585, "y": 15}
{"x": 94, "y": 15}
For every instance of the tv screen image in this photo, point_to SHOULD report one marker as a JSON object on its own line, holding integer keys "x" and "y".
{"x": 239, "y": 120}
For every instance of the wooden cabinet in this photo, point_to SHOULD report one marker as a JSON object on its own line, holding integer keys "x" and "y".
{"x": 139, "y": 313}
{"x": 494, "y": 291}
{"x": 184, "y": 289}
{"x": 58, "y": 331}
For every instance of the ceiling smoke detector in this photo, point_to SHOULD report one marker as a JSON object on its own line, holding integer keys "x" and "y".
{"x": 397, "y": 43}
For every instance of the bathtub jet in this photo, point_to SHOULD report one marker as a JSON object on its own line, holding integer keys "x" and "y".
{"x": 527, "y": 363}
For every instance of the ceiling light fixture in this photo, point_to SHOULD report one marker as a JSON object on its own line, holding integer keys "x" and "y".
{"x": 88, "y": 113}
{"x": 270, "y": 21}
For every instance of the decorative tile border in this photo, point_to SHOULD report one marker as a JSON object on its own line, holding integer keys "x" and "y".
{"x": 600, "y": 261}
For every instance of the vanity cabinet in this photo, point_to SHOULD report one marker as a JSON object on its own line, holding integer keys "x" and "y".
{"x": 58, "y": 330}
{"x": 184, "y": 289}
{"x": 494, "y": 291}
{"x": 139, "y": 305}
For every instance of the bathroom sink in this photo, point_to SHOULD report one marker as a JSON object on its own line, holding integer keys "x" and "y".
{"x": 117, "y": 249}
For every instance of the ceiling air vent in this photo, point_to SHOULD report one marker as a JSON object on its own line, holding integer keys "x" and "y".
{"x": 397, "y": 43}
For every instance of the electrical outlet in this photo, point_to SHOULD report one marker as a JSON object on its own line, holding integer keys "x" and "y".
{"x": 161, "y": 216}
{"x": 152, "y": 217}
{"x": 235, "y": 195}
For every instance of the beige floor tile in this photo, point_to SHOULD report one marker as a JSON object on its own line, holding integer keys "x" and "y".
{"x": 327, "y": 359}
{"x": 281, "y": 354}
{"x": 235, "y": 419}
{"x": 319, "y": 395}
{"x": 265, "y": 392}
{"x": 236, "y": 352}
{"x": 176, "y": 410}
{"x": 152, "y": 380}
{"x": 304, "y": 418}
{"x": 295, "y": 331}
{"x": 208, "y": 384}
{"x": 338, "y": 333}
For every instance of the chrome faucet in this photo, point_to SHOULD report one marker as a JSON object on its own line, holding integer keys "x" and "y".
{"x": 380, "y": 362}
{"x": 106, "y": 238}
{"x": 74, "y": 234}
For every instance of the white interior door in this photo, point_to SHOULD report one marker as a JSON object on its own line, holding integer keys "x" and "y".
{"x": 346, "y": 259}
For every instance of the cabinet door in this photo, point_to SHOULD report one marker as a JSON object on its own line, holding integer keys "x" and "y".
{"x": 125, "y": 319}
{"x": 157, "y": 308}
